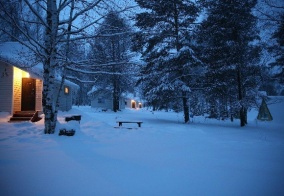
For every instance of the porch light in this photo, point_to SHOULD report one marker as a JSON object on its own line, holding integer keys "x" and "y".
{"x": 18, "y": 73}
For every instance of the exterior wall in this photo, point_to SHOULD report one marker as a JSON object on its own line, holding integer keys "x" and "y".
{"x": 17, "y": 90}
{"x": 11, "y": 89}
{"x": 122, "y": 103}
{"x": 106, "y": 103}
{"x": 6, "y": 88}
{"x": 39, "y": 87}
{"x": 100, "y": 102}
{"x": 65, "y": 98}
{"x": 129, "y": 102}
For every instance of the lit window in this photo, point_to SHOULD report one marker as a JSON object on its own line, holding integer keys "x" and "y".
{"x": 66, "y": 90}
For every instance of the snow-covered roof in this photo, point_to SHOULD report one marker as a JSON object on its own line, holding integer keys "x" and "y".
{"x": 19, "y": 55}
{"x": 131, "y": 96}
{"x": 16, "y": 53}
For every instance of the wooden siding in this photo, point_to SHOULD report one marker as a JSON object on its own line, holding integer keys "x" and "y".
{"x": 39, "y": 87}
{"x": 99, "y": 102}
{"x": 106, "y": 103}
{"x": 11, "y": 90}
{"x": 6, "y": 86}
{"x": 17, "y": 90}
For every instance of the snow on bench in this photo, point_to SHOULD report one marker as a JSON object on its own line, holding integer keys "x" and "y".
{"x": 73, "y": 117}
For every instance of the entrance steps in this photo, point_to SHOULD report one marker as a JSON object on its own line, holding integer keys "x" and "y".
{"x": 20, "y": 116}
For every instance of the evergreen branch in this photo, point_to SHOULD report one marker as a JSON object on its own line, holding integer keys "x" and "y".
{"x": 274, "y": 5}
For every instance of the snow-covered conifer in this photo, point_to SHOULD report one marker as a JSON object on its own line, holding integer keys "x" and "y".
{"x": 166, "y": 46}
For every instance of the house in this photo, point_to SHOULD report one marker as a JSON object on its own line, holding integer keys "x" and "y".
{"x": 21, "y": 87}
{"x": 133, "y": 103}
{"x": 105, "y": 101}
{"x": 102, "y": 98}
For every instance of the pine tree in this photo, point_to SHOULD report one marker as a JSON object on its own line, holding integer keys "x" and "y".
{"x": 278, "y": 51}
{"x": 166, "y": 46}
{"x": 271, "y": 16}
{"x": 227, "y": 35}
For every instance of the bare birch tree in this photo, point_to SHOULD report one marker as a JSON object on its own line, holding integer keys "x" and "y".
{"x": 63, "y": 21}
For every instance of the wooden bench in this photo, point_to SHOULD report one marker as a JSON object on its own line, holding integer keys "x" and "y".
{"x": 74, "y": 117}
{"x": 138, "y": 122}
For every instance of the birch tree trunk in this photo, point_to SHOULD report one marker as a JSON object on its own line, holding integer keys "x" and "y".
{"x": 49, "y": 67}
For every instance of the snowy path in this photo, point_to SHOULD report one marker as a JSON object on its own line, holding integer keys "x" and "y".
{"x": 163, "y": 157}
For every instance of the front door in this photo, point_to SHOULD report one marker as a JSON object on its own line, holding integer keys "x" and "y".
{"x": 133, "y": 104}
{"x": 28, "y": 94}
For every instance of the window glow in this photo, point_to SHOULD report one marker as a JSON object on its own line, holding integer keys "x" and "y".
{"x": 66, "y": 90}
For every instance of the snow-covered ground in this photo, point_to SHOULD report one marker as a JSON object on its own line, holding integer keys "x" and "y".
{"x": 163, "y": 157}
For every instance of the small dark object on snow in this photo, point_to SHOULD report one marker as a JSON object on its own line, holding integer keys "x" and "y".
{"x": 74, "y": 117}
{"x": 67, "y": 132}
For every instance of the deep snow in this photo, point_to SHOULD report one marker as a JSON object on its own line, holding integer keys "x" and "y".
{"x": 163, "y": 157}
